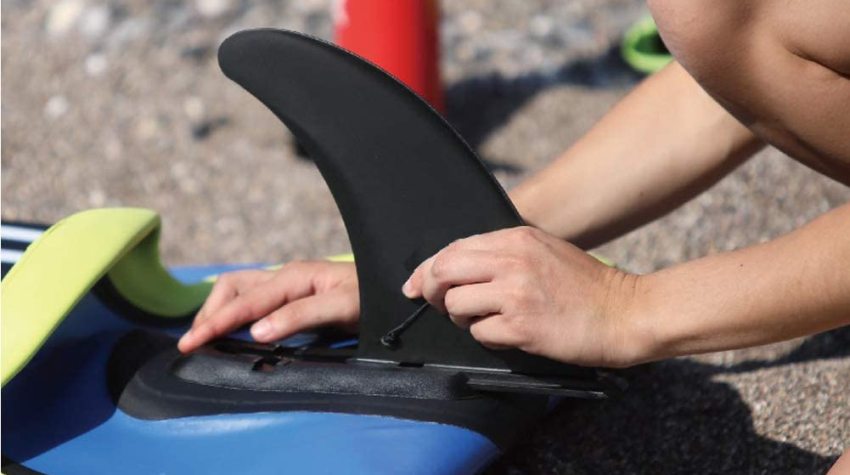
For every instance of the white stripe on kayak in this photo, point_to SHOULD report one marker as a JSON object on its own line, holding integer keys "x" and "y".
{"x": 17, "y": 233}
{"x": 8, "y": 256}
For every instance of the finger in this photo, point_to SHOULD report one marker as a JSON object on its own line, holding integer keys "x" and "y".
{"x": 413, "y": 287}
{"x": 288, "y": 283}
{"x": 494, "y": 332}
{"x": 293, "y": 281}
{"x": 498, "y": 240}
{"x": 452, "y": 268}
{"x": 467, "y": 302}
{"x": 339, "y": 307}
{"x": 227, "y": 287}
{"x": 503, "y": 239}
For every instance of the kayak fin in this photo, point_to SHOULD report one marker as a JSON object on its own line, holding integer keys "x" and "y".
{"x": 115, "y": 248}
{"x": 405, "y": 183}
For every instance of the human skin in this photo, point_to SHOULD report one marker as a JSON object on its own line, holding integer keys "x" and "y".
{"x": 674, "y": 136}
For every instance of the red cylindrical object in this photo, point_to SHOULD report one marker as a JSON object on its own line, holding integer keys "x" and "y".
{"x": 400, "y": 36}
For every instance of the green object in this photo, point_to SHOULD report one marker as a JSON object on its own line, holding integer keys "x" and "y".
{"x": 341, "y": 258}
{"x": 604, "y": 260}
{"x": 643, "y": 49}
{"x": 59, "y": 268}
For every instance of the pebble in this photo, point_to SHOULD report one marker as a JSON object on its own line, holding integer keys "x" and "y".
{"x": 96, "y": 64}
{"x": 62, "y": 16}
{"x": 95, "y": 21}
{"x": 147, "y": 129}
{"x": 56, "y": 107}
{"x": 97, "y": 197}
{"x": 541, "y": 26}
{"x": 213, "y": 8}
{"x": 128, "y": 30}
{"x": 194, "y": 108}
{"x": 470, "y": 21}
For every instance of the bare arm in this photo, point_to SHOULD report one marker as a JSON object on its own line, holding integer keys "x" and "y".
{"x": 663, "y": 144}
{"x": 798, "y": 284}
{"x": 526, "y": 289}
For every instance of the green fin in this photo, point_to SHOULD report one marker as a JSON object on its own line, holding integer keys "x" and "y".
{"x": 59, "y": 268}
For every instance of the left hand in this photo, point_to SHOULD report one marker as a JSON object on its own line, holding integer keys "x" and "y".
{"x": 522, "y": 288}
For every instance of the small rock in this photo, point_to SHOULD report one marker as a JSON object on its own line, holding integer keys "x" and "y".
{"x": 56, "y": 107}
{"x": 62, "y": 16}
{"x": 129, "y": 30}
{"x": 97, "y": 197}
{"x": 204, "y": 128}
{"x": 212, "y": 8}
{"x": 146, "y": 129}
{"x": 194, "y": 108}
{"x": 541, "y": 26}
{"x": 95, "y": 21}
{"x": 470, "y": 21}
{"x": 96, "y": 64}
{"x": 196, "y": 53}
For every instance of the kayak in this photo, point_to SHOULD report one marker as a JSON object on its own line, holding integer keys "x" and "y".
{"x": 93, "y": 382}
{"x": 60, "y": 417}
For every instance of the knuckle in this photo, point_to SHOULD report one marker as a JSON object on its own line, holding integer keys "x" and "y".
{"x": 512, "y": 263}
{"x": 460, "y": 322}
{"x": 518, "y": 328}
{"x": 518, "y": 300}
{"x": 240, "y": 310}
{"x": 215, "y": 327}
{"x": 224, "y": 280}
{"x": 452, "y": 301}
{"x": 476, "y": 332}
{"x": 483, "y": 336}
{"x": 296, "y": 265}
{"x": 525, "y": 284}
{"x": 530, "y": 241}
{"x": 454, "y": 245}
{"x": 523, "y": 234}
{"x": 440, "y": 266}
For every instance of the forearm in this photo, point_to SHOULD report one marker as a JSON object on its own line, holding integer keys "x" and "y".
{"x": 660, "y": 146}
{"x": 798, "y": 284}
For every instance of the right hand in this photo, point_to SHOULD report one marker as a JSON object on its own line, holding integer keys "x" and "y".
{"x": 297, "y": 297}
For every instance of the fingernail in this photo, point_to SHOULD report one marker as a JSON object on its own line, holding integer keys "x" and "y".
{"x": 407, "y": 289}
{"x": 261, "y": 330}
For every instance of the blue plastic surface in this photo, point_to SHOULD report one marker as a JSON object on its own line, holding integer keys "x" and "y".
{"x": 58, "y": 418}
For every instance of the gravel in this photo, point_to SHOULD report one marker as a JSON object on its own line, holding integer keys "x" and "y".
{"x": 122, "y": 104}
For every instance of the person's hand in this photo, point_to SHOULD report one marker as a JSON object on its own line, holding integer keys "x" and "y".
{"x": 522, "y": 288}
{"x": 297, "y": 297}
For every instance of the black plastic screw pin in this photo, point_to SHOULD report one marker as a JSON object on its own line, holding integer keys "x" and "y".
{"x": 391, "y": 338}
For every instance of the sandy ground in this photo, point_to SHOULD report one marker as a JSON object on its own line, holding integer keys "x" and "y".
{"x": 122, "y": 104}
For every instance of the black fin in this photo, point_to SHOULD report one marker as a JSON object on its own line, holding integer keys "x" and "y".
{"x": 403, "y": 179}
